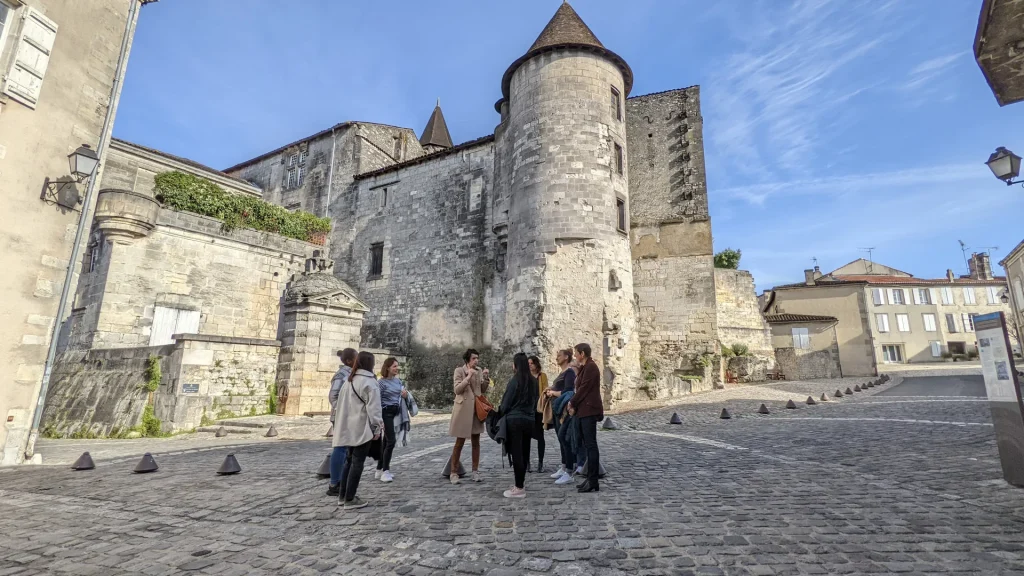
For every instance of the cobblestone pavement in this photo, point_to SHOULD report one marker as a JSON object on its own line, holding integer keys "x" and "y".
{"x": 868, "y": 484}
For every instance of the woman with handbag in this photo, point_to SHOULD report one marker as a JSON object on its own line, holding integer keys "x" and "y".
{"x": 392, "y": 394}
{"x": 470, "y": 383}
{"x": 518, "y": 407}
{"x": 358, "y": 424}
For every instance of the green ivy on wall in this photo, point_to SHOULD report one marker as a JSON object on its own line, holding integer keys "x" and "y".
{"x": 190, "y": 193}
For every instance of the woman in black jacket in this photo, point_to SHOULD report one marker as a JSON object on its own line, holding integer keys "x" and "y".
{"x": 518, "y": 406}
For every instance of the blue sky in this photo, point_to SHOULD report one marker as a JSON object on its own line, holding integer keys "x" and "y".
{"x": 829, "y": 126}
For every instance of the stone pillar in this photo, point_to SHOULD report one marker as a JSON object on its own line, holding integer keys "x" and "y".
{"x": 321, "y": 316}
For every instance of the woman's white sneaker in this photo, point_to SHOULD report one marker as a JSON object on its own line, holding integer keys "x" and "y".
{"x": 515, "y": 493}
{"x": 559, "y": 472}
{"x": 565, "y": 478}
{"x": 387, "y": 477}
{"x": 377, "y": 474}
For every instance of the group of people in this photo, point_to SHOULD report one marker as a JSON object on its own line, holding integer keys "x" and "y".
{"x": 367, "y": 414}
{"x": 366, "y": 411}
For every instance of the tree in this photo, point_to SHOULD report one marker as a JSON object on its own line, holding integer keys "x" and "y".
{"x": 728, "y": 258}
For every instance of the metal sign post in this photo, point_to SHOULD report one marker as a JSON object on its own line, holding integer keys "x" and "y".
{"x": 1004, "y": 394}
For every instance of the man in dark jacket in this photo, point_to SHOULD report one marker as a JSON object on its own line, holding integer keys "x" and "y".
{"x": 586, "y": 405}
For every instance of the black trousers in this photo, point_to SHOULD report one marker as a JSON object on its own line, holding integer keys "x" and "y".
{"x": 538, "y": 435}
{"x": 565, "y": 444}
{"x": 389, "y": 413}
{"x": 518, "y": 432}
{"x": 353, "y": 471}
{"x": 588, "y": 427}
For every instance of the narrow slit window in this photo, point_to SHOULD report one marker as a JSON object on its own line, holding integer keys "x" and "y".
{"x": 618, "y": 159}
{"x": 620, "y": 214}
{"x": 617, "y": 103}
{"x": 376, "y": 260}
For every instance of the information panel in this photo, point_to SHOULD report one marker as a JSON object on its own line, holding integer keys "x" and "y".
{"x": 1003, "y": 393}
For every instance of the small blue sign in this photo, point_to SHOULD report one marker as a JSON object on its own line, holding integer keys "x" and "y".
{"x": 190, "y": 388}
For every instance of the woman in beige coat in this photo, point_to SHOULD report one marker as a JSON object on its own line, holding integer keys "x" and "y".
{"x": 357, "y": 423}
{"x": 469, "y": 383}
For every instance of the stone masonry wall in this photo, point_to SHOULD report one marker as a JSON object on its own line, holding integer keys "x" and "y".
{"x": 212, "y": 377}
{"x": 234, "y": 280}
{"x": 739, "y": 315}
{"x": 673, "y": 269}
{"x": 436, "y": 263}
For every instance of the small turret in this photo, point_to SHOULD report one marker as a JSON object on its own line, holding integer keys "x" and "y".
{"x": 435, "y": 136}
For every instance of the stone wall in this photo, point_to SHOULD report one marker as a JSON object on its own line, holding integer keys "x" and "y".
{"x": 740, "y": 320}
{"x": 99, "y": 392}
{"x": 234, "y": 280}
{"x": 808, "y": 364}
{"x": 436, "y": 262}
{"x": 673, "y": 269}
{"x": 213, "y": 377}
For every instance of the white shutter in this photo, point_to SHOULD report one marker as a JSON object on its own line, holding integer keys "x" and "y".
{"x": 188, "y": 322}
{"x": 892, "y": 299}
{"x": 24, "y": 80}
{"x": 917, "y": 295}
{"x": 934, "y": 295}
{"x": 936, "y": 349}
{"x": 164, "y": 320}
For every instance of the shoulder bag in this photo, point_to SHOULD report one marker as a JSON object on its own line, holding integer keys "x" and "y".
{"x": 376, "y": 445}
{"x": 483, "y": 407}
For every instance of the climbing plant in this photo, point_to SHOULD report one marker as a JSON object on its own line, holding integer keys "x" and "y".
{"x": 153, "y": 374}
{"x": 190, "y": 193}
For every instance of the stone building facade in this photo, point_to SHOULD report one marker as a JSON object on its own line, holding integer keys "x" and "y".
{"x": 584, "y": 217}
{"x": 61, "y": 61}
{"x": 740, "y": 322}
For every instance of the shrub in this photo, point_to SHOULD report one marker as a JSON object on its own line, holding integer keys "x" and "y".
{"x": 972, "y": 354}
{"x": 727, "y": 351}
{"x": 271, "y": 398}
{"x": 151, "y": 425}
{"x": 740, "y": 349}
{"x": 728, "y": 258}
{"x": 152, "y": 374}
{"x": 190, "y": 193}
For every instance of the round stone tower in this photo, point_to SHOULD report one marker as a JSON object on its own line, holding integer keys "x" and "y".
{"x": 564, "y": 184}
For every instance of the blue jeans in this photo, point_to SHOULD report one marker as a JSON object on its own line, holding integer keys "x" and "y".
{"x": 565, "y": 444}
{"x": 337, "y": 462}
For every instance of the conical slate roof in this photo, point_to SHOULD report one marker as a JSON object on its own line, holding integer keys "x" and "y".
{"x": 566, "y": 30}
{"x": 436, "y": 132}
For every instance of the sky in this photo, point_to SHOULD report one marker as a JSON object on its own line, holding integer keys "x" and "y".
{"x": 830, "y": 127}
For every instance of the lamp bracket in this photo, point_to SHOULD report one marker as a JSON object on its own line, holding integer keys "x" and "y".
{"x": 62, "y": 192}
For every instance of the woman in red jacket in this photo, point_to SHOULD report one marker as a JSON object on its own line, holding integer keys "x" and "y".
{"x": 588, "y": 408}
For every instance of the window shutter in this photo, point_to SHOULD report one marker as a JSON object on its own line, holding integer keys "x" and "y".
{"x": 934, "y": 294}
{"x": 188, "y": 322}
{"x": 164, "y": 320}
{"x": 24, "y": 80}
{"x": 892, "y": 299}
{"x": 917, "y": 296}
{"x": 936, "y": 349}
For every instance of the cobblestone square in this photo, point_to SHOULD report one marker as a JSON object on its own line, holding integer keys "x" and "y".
{"x": 883, "y": 482}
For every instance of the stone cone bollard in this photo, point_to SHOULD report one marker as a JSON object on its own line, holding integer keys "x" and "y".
{"x": 824, "y": 397}
{"x": 763, "y": 410}
{"x": 325, "y": 468}
{"x": 610, "y": 424}
{"x": 848, "y": 391}
{"x": 230, "y": 466}
{"x": 221, "y": 432}
{"x": 725, "y": 414}
{"x": 272, "y": 433}
{"x": 810, "y": 401}
{"x": 147, "y": 464}
{"x": 675, "y": 419}
{"x": 84, "y": 462}
{"x": 839, "y": 393}
{"x": 870, "y": 384}
{"x": 856, "y": 388}
{"x": 330, "y": 432}
{"x": 601, "y": 472}
{"x": 791, "y": 405}
{"x": 446, "y": 472}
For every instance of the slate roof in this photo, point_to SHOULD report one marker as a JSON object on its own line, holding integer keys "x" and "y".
{"x": 186, "y": 161}
{"x": 566, "y": 30}
{"x": 436, "y": 133}
{"x": 791, "y": 318}
{"x": 425, "y": 158}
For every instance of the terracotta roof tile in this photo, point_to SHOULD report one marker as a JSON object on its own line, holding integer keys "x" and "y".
{"x": 790, "y": 318}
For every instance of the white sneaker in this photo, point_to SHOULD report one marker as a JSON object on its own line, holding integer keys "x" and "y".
{"x": 559, "y": 472}
{"x": 377, "y": 474}
{"x": 565, "y": 478}
{"x": 515, "y": 493}
{"x": 387, "y": 477}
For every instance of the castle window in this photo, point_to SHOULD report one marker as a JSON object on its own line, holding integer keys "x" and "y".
{"x": 620, "y": 214}
{"x": 293, "y": 160}
{"x": 95, "y": 253}
{"x": 617, "y": 103}
{"x": 302, "y": 156}
{"x": 499, "y": 260}
{"x": 382, "y": 199}
{"x": 618, "y": 159}
{"x": 376, "y": 260}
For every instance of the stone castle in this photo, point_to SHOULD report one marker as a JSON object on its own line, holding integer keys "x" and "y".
{"x": 583, "y": 218}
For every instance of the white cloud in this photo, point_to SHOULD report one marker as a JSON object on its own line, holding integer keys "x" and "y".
{"x": 927, "y": 72}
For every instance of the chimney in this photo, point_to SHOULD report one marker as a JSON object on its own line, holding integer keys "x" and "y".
{"x": 980, "y": 267}
{"x": 817, "y": 272}
{"x": 809, "y": 277}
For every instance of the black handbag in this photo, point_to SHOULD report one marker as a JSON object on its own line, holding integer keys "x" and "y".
{"x": 376, "y": 446}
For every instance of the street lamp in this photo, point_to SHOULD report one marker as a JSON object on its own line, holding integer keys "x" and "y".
{"x": 1005, "y": 165}
{"x": 1005, "y": 297}
{"x": 84, "y": 160}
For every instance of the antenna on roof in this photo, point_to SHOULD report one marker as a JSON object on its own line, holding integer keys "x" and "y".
{"x": 871, "y": 263}
{"x": 989, "y": 249}
{"x": 815, "y": 260}
{"x": 963, "y": 248}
